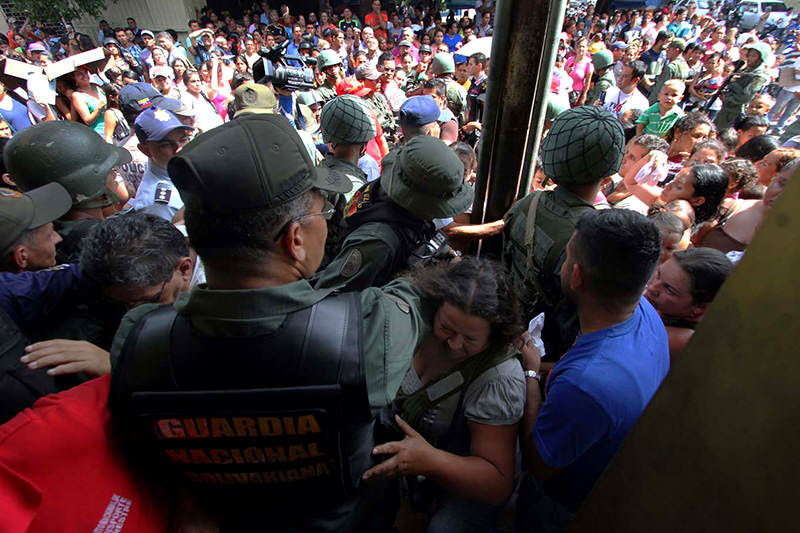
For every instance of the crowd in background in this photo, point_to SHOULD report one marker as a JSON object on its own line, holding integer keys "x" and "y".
{"x": 133, "y": 189}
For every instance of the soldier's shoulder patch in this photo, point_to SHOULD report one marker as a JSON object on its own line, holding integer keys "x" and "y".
{"x": 352, "y": 263}
{"x": 163, "y": 192}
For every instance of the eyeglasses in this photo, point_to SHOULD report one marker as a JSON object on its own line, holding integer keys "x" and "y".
{"x": 135, "y": 303}
{"x": 326, "y": 213}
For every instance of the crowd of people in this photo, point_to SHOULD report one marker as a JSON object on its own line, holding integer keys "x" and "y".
{"x": 226, "y": 296}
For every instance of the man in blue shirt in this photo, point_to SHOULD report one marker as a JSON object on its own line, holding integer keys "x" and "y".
{"x": 596, "y": 392}
{"x": 679, "y": 27}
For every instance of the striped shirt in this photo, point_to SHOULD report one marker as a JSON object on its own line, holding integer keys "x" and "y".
{"x": 655, "y": 124}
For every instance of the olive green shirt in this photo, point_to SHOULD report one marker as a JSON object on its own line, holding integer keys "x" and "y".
{"x": 366, "y": 259}
{"x": 392, "y": 324}
{"x": 677, "y": 69}
{"x": 457, "y": 99}
{"x": 326, "y": 92}
{"x": 350, "y": 171}
{"x": 378, "y": 103}
{"x": 604, "y": 83}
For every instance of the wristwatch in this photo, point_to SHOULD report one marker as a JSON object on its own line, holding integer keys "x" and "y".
{"x": 533, "y": 374}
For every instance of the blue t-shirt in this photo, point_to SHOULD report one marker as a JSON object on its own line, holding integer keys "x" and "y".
{"x": 452, "y": 42}
{"x": 595, "y": 394}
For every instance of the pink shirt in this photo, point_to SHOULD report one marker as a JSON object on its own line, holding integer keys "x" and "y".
{"x": 581, "y": 72}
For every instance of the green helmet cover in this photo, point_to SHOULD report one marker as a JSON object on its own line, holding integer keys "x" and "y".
{"x": 346, "y": 120}
{"x": 602, "y": 59}
{"x": 67, "y": 153}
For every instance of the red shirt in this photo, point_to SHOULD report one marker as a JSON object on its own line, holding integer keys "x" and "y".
{"x": 60, "y": 471}
{"x": 372, "y": 20}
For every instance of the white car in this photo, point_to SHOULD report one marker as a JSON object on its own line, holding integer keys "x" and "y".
{"x": 749, "y": 12}
{"x": 703, "y": 7}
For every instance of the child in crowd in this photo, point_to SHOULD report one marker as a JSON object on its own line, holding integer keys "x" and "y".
{"x": 660, "y": 118}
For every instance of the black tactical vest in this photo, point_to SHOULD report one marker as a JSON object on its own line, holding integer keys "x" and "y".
{"x": 274, "y": 418}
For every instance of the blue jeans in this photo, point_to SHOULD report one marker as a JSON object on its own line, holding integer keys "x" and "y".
{"x": 785, "y": 106}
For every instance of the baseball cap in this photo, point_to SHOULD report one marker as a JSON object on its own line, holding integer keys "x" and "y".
{"x": 619, "y": 45}
{"x": 147, "y": 32}
{"x": 173, "y": 105}
{"x": 164, "y": 71}
{"x": 367, "y": 72}
{"x": 137, "y": 97}
{"x": 253, "y": 162}
{"x": 20, "y": 212}
{"x": 419, "y": 110}
{"x": 424, "y": 48}
{"x": 404, "y": 43}
{"x": 250, "y": 98}
{"x": 351, "y": 86}
{"x": 154, "y": 124}
{"x": 36, "y": 46}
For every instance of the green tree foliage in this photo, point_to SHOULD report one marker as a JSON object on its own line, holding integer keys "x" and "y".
{"x": 55, "y": 10}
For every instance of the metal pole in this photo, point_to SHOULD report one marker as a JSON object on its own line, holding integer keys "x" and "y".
{"x": 520, "y": 33}
{"x": 555, "y": 22}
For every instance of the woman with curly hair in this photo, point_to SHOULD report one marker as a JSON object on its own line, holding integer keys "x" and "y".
{"x": 460, "y": 402}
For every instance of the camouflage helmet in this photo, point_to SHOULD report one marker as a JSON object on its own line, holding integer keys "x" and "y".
{"x": 328, "y": 58}
{"x": 602, "y": 59}
{"x": 443, "y": 63}
{"x": 346, "y": 120}
{"x": 68, "y": 153}
{"x": 584, "y": 145}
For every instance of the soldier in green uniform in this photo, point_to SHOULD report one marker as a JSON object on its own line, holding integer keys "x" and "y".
{"x": 584, "y": 146}
{"x": 347, "y": 127}
{"x": 443, "y": 66}
{"x": 330, "y": 64}
{"x": 389, "y": 222}
{"x": 744, "y": 85}
{"x": 419, "y": 72}
{"x": 264, "y": 387}
{"x": 676, "y": 68}
{"x": 73, "y": 155}
{"x": 603, "y": 76}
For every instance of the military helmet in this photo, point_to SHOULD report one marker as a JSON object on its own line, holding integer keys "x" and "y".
{"x": 68, "y": 153}
{"x": 328, "y": 58}
{"x": 443, "y": 63}
{"x": 584, "y": 145}
{"x": 426, "y": 177}
{"x": 346, "y": 120}
{"x": 602, "y": 59}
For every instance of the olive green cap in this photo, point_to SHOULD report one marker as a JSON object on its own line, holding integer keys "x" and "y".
{"x": 249, "y": 98}
{"x": 584, "y": 145}
{"x": 309, "y": 98}
{"x": 327, "y": 58}
{"x": 346, "y": 120}
{"x": 20, "y": 212}
{"x": 763, "y": 50}
{"x": 68, "y": 153}
{"x": 254, "y": 162}
{"x": 426, "y": 177}
{"x": 602, "y": 59}
{"x": 443, "y": 63}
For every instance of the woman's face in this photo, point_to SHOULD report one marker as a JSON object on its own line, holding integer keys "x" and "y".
{"x": 158, "y": 57}
{"x": 241, "y": 65}
{"x": 205, "y": 72}
{"x": 20, "y": 40}
{"x": 680, "y": 188}
{"x": 179, "y": 68}
{"x": 463, "y": 335}
{"x": 776, "y": 187}
{"x": 193, "y": 85}
{"x": 580, "y": 48}
{"x": 5, "y": 129}
{"x": 81, "y": 78}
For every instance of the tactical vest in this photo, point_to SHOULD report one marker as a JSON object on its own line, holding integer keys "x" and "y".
{"x": 418, "y": 239}
{"x": 282, "y": 418}
{"x": 537, "y": 230}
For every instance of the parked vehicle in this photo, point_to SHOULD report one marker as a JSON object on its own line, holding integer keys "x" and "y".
{"x": 747, "y": 14}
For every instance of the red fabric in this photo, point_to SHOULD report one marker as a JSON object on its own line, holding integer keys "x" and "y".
{"x": 59, "y": 470}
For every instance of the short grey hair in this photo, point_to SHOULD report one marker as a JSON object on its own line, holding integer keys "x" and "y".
{"x": 137, "y": 250}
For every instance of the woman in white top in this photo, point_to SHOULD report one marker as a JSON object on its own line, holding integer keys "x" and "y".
{"x": 205, "y": 112}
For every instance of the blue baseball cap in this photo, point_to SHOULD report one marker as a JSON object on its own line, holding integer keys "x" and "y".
{"x": 419, "y": 110}
{"x": 154, "y": 124}
{"x": 137, "y": 97}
